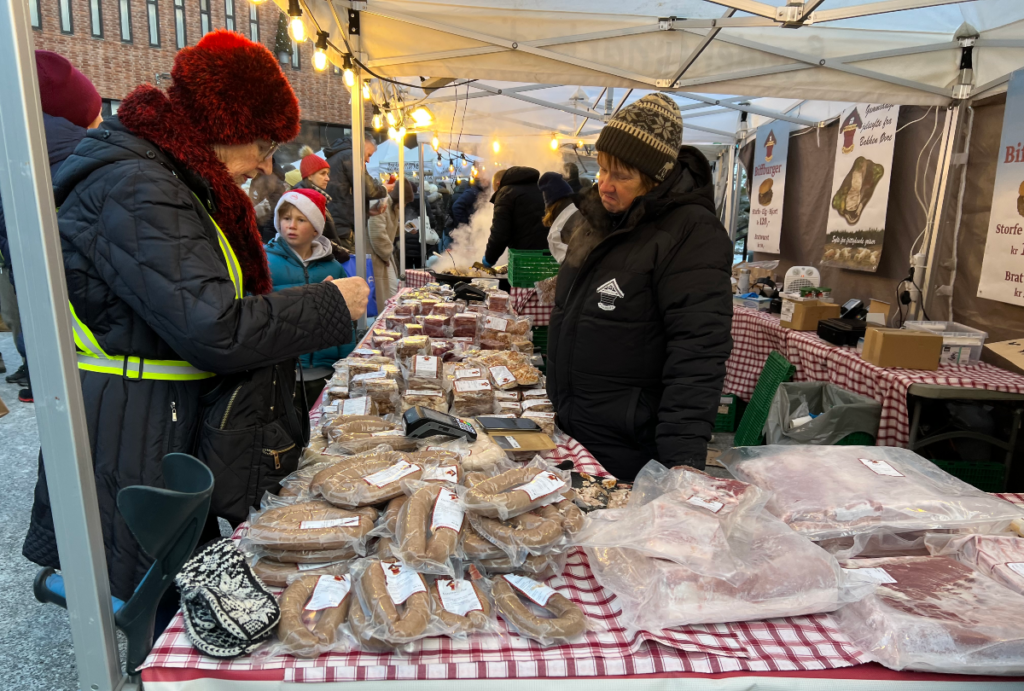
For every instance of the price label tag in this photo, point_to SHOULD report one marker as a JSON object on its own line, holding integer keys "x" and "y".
{"x": 448, "y": 512}
{"x": 441, "y": 473}
{"x": 535, "y": 402}
{"x": 458, "y": 596}
{"x": 880, "y": 467}
{"x": 379, "y": 374}
{"x": 542, "y": 485}
{"x": 875, "y": 574}
{"x": 471, "y": 385}
{"x": 496, "y": 323}
{"x": 1017, "y": 567}
{"x": 393, "y": 474}
{"x": 502, "y": 376}
{"x": 788, "y": 309}
{"x": 514, "y": 445}
{"x": 425, "y": 366}
{"x": 537, "y": 592}
{"x": 468, "y": 373}
{"x": 350, "y": 522}
{"x": 704, "y": 503}
{"x": 330, "y": 591}
{"x": 402, "y": 582}
{"x": 356, "y": 406}
{"x": 314, "y": 567}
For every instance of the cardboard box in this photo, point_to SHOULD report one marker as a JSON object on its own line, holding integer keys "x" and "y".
{"x": 879, "y": 307}
{"x": 517, "y": 441}
{"x": 803, "y": 314}
{"x": 902, "y": 348}
{"x": 1008, "y": 354}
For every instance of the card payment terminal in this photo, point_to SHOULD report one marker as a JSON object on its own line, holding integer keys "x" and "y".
{"x": 424, "y": 422}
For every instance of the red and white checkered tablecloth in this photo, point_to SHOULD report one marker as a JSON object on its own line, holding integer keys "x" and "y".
{"x": 755, "y": 334}
{"x": 416, "y": 278}
{"x": 526, "y": 303}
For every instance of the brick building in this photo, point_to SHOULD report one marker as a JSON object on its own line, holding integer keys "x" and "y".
{"x": 120, "y": 44}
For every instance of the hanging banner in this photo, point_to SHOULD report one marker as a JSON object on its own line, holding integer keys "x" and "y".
{"x": 860, "y": 186}
{"x": 1002, "y": 270}
{"x": 769, "y": 184}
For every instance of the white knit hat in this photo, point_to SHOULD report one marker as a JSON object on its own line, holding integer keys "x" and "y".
{"x": 310, "y": 204}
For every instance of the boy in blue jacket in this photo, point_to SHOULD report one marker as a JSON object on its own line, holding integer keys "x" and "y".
{"x": 299, "y": 255}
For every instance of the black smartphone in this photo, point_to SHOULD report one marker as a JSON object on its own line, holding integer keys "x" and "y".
{"x": 518, "y": 424}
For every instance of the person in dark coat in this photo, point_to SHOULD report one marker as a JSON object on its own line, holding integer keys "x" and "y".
{"x": 572, "y": 176}
{"x": 559, "y": 208}
{"x": 71, "y": 105}
{"x": 464, "y": 202}
{"x": 518, "y": 221}
{"x": 641, "y": 327}
{"x": 163, "y": 261}
{"x": 341, "y": 204}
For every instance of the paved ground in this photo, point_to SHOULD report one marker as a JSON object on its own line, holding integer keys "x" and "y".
{"x": 35, "y": 640}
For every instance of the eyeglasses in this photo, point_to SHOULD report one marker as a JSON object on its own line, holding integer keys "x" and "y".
{"x": 270, "y": 152}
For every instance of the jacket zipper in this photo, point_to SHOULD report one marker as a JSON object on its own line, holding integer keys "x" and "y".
{"x": 231, "y": 404}
{"x": 174, "y": 412}
{"x": 276, "y": 453}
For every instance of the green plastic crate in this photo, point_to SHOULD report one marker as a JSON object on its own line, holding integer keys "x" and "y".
{"x": 526, "y": 267}
{"x": 985, "y": 475}
{"x": 857, "y": 439}
{"x": 726, "y": 422}
{"x": 776, "y": 370}
{"x": 540, "y": 339}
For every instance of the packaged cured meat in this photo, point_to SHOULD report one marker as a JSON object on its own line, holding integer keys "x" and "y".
{"x": 861, "y": 498}
{"x": 381, "y": 341}
{"x": 546, "y": 290}
{"x": 442, "y": 466}
{"x": 538, "y": 405}
{"x": 464, "y": 606}
{"x": 935, "y": 614}
{"x": 535, "y": 393}
{"x": 465, "y": 325}
{"x": 517, "y": 490}
{"x": 412, "y": 329}
{"x": 382, "y": 390}
{"x": 1000, "y": 557}
{"x": 513, "y": 407}
{"x": 314, "y": 609}
{"x": 410, "y": 346}
{"x": 309, "y": 525}
{"x": 279, "y": 574}
{"x": 349, "y": 425}
{"x": 440, "y": 348}
{"x": 394, "y": 322}
{"x": 364, "y": 354}
{"x": 518, "y": 365}
{"x": 435, "y": 400}
{"x": 395, "y": 601}
{"x": 506, "y": 396}
{"x": 498, "y": 301}
{"x": 502, "y": 377}
{"x": 429, "y": 528}
{"x": 546, "y": 421}
{"x": 516, "y": 598}
{"x": 367, "y": 479}
{"x": 436, "y": 326}
{"x": 422, "y": 372}
{"x": 518, "y": 537}
{"x": 446, "y": 309}
{"x": 537, "y": 566}
{"x": 407, "y": 308}
{"x": 693, "y": 549}
{"x": 480, "y": 455}
{"x": 522, "y": 346}
{"x": 472, "y": 397}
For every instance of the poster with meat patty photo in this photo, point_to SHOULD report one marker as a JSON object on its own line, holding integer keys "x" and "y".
{"x": 860, "y": 186}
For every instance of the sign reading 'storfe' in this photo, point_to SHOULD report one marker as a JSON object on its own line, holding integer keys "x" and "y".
{"x": 1002, "y": 272}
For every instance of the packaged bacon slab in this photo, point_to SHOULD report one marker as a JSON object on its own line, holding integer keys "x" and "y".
{"x": 935, "y": 614}
{"x": 873, "y": 500}
{"x": 690, "y": 548}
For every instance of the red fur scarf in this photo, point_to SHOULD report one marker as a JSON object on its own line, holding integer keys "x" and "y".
{"x": 148, "y": 113}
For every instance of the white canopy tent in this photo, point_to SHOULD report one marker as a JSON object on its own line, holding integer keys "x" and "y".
{"x": 712, "y": 54}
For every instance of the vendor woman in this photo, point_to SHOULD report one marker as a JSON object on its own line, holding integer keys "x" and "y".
{"x": 641, "y": 327}
{"x": 164, "y": 265}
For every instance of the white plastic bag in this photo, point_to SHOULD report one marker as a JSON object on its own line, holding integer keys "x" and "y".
{"x": 1000, "y": 557}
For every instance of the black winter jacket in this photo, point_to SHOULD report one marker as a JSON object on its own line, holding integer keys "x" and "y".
{"x": 464, "y": 204}
{"x": 641, "y": 327}
{"x": 341, "y": 206}
{"x": 145, "y": 272}
{"x": 518, "y": 214}
{"x": 62, "y": 136}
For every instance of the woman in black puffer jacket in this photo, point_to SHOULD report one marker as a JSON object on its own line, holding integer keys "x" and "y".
{"x": 642, "y": 322}
{"x": 164, "y": 264}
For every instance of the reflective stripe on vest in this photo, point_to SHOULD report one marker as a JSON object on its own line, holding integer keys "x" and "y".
{"x": 92, "y": 357}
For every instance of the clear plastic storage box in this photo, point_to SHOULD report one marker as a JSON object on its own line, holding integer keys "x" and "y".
{"x": 758, "y": 303}
{"x": 961, "y": 345}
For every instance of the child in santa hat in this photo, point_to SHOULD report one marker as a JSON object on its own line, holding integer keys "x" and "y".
{"x": 301, "y": 255}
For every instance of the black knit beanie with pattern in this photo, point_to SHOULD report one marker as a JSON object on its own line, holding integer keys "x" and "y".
{"x": 646, "y": 135}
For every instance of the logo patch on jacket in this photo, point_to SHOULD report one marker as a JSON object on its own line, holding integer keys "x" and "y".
{"x": 609, "y": 292}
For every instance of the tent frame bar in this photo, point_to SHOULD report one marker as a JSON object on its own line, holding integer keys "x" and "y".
{"x": 696, "y": 53}
{"x": 940, "y": 192}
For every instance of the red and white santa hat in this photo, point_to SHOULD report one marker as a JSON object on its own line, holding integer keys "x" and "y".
{"x": 310, "y": 204}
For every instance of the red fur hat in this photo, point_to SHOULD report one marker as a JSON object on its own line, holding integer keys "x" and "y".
{"x": 311, "y": 164}
{"x": 234, "y": 91}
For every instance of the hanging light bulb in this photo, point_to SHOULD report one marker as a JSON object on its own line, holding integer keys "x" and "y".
{"x": 554, "y": 143}
{"x": 401, "y": 134}
{"x": 320, "y": 51}
{"x": 439, "y": 164}
{"x": 349, "y": 75}
{"x": 390, "y": 115}
{"x": 474, "y": 171}
{"x": 392, "y": 133}
{"x": 435, "y": 143}
{"x": 451, "y": 167}
{"x": 464, "y": 161}
{"x": 378, "y": 121}
{"x": 296, "y": 27}
{"x": 366, "y": 90}
{"x": 580, "y": 143}
{"x": 422, "y": 117}
{"x": 496, "y": 146}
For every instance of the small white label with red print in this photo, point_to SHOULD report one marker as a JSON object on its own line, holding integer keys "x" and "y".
{"x": 395, "y": 473}
{"x": 705, "y": 503}
{"x": 880, "y": 467}
{"x": 425, "y": 366}
{"x": 536, "y": 592}
{"x": 448, "y": 512}
{"x": 502, "y": 376}
{"x": 350, "y": 522}
{"x": 458, "y": 596}
{"x": 472, "y": 385}
{"x": 542, "y": 485}
{"x": 441, "y": 473}
{"x": 495, "y": 323}
{"x": 356, "y": 406}
{"x": 402, "y": 582}
{"x": 330, "y": 591}
{"x": 469, "y": 373}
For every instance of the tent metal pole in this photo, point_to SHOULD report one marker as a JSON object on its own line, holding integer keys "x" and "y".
{"x": 401, "y": 207}
{"x": 696, "y": 53}
{"x": 359, "y": 177}
{"x": 734, "y": 226}
{"x": 758, "y": 8}
{"x": 729, "y": 183}
{"x": 731, "y": 104}
{"x": 940, "y": 192}
{"x": 423, "y": 208}
{"x": 536, "y": 101}
{"x": 25, "y": 186}
{"x": 488, "y": 94}
{"x": 876, "y": 8}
